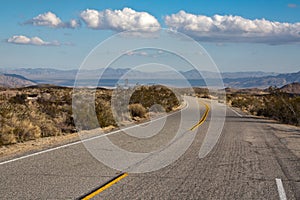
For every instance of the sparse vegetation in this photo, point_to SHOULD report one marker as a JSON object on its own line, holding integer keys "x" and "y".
{"x": 26, "y": 117}
{"x": 274, "y": 104}
{"x": 34, "y": 112}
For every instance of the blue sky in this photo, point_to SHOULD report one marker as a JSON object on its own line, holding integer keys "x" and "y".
{"x": 40, "y": 33}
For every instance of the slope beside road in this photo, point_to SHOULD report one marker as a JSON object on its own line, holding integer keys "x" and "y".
{"x": 248, "y": 162}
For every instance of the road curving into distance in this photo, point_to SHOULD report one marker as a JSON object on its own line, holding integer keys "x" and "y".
{"x": 248, "y": 161}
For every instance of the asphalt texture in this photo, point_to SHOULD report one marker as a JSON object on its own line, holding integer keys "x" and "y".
{"x": 244, "y": 162}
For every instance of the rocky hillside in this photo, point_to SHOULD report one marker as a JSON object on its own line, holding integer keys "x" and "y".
{"x": 293, "y": 88}
{"x": 14, "y": 81}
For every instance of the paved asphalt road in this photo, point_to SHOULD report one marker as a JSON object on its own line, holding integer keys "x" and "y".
{"x": 244, "y": 164}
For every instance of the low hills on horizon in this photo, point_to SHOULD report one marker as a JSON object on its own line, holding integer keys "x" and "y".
{"x": 23, "y": 77}
{"x": 15, "y": 81}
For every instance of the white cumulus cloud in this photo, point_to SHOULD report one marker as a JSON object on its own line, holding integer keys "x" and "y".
{"x": 73, "y": 23}
{"x": 230, "y": 28}
{"x": 21, "y": 39}
{"x": 51, "y": 20}
{"x": 120, "y": 20}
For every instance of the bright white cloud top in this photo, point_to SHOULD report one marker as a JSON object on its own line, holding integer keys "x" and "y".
{"x": 120, "y": 20}
{"x": 230, "y": 28}
{"x": 51, "y": 20}
{"x": 24, "y": 40}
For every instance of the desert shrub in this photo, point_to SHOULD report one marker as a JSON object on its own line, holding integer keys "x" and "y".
{"x": 49, "y": 128}
{"x": 7, "y": 135}
{"x": 49, "y": 109}
{"x": 240, "y": 102}
{"x": 18, "y": 99}
{"x": 65, "y": 123}
{"x": 16, "y": 130}
{"x": 148, "y": 96}
{"x": 282, "y": 107}
{"x": 25, "y": 130}
{"x": 23, "y": 120}
{"x": 276, "y": 105}
{"x": 104, "y": 113}
{"x": 137, "y": 110}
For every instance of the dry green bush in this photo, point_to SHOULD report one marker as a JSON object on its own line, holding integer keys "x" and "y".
{"x": 137, "y": 110}
{"x": 151, "y": 95}
{"x": 104, "y": 113}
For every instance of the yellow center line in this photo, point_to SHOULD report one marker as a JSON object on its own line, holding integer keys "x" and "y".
{"x": 203, "y": 117}
{"x": 104, "y": 187}
{"x": 121, "y": 176}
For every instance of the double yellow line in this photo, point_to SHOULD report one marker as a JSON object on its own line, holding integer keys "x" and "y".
{"x": 123, "y": 175}
{"x": 203, "y": 117}
{"x": 103, "y": 187}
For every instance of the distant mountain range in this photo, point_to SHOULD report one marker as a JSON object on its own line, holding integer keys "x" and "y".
{"x": 66, "y": 77}
{"x": 262, "y": 82}
{"x": 194, "y": 74}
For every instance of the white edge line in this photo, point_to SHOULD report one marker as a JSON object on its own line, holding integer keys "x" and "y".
{"x": 88, "y": 139}
{"x": 280, "y": 188}
{"x": 235, "y": 112}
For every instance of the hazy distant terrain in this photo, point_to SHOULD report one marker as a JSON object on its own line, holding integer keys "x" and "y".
{"x": 231, "y": 79}
{"x": 263, "y": 82}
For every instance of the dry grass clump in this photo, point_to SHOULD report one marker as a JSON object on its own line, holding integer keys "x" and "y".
{"x": 19, "y": 131}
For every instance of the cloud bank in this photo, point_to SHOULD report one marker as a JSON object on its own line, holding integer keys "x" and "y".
{"x": 24, "y": 40}
{"x": 49, "y": 19}
{"x": 120, "y": 20}
{"x": 230, "y": 28}
{"x": 217, "y": 28}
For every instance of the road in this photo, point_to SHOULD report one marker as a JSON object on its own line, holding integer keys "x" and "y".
{"x": 248, "y": 162}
